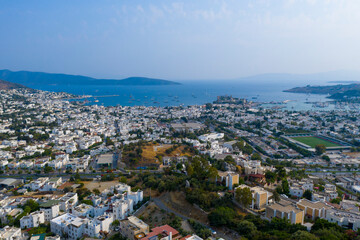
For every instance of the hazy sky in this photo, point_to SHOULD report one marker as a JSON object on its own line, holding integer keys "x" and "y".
{"x": 178, "y": 40}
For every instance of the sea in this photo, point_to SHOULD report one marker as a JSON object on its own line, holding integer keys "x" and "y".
{"x": 269, "y": 93}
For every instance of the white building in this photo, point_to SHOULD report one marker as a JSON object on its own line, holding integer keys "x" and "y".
{"x": 343, "y": 218}
{"x": 72, "y": 227}
{"x": 211, "y": 137}
{"x": 51, "y": 209}
{"x": 67, "y": 201}
{"x": 11, "y": 233}
{"x": 32, "y": 220}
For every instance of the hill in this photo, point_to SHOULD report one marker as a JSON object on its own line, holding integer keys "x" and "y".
{"x": 41, "y": 78}
{"x": 339, "y": 92}
{"x": 5, "y": 85}
{"x": 324, "y": 89}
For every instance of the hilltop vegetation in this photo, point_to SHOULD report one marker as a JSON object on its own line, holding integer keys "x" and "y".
{"x": 5, "y": 85}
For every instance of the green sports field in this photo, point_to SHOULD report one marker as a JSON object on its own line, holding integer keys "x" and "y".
{"x": 313, "y": 141}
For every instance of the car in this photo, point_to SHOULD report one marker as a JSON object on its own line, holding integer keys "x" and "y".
{"x": 117, "y": 229}
{"x": 213, "y": 232}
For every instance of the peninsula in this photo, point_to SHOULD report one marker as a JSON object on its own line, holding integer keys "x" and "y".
{"x": 339, "y": 91}
{"x": 41, "y": 78}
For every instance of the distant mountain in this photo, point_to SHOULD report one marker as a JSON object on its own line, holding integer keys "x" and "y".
{"x": 5, "y": 85}
{"x": 41, "y": 78}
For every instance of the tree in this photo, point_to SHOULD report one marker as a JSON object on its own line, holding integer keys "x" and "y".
{"x": 320, "y": 149}
{"x": 230, "y": 159}
{"x": 189, "y": 170}
{"x": 270, "y": 177}
{"x": 328, "y": 234}
{"x": 67, "y": 189}
{"x": 34, "y": 206}
{"x": 96, "y": 191}
{"x": 276, "y": 196}
{"x": 285, "y": 186}
{"x": 243, "y": 196}
{"x": 221, "y": 216}
{"x": 256, "y": 156}
{"x": 326, "y": 158}
{"x": 280, "y": 171}
{"x": 324, "y": 224}
{"x": 123, "y": 179}
{"x": 303, "y": 235}
{"x": 115, "y": 223}
{"x": 213, "y": 173}
{"x": 246, "y": 228}
{"x": 48, "y": 169}
{"x": 307, "y": 194}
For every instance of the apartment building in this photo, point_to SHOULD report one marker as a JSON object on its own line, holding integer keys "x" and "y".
{"x": 285, "y": 209}
{"x": 34, "y": 219}
{"x": 51, "y": 209}
{"x": 260, "y": 197}
{"x": 133, "y": 228}
{"x": 313, "y": 209}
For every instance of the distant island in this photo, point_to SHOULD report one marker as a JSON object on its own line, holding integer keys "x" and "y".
{"x": 5, "y": 85}
{"x": 40, "y": 78}
{"x": 338, "y": 92}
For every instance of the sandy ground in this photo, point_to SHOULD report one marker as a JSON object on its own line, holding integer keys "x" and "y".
{"x": 177, "y": 202}
{"x": 99, "y": 185}
{"x": 353, "y": 154}
{"x": 154, "y": 216}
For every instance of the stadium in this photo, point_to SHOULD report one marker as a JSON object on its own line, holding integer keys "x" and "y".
{"x": 309, "y": 141}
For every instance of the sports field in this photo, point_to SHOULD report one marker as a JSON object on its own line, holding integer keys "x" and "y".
{"x": 313, "y": 141}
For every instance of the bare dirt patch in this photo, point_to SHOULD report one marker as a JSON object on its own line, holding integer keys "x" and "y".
{"x": 178, "y": 203}
{"x": 353, "y": 154}
{"x": 150, "y": 153}
{"x": 99, "y": 185}
{"x": 154, "y": 216}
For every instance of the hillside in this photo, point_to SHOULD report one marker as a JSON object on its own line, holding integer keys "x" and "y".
{"x": 41, "y": 78}
{"x": 339, "y": 92}
{"x": 324, "y": 89}
{"x": 5, "y": 85}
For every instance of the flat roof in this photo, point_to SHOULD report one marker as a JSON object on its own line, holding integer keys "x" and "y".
{"x": 49, "y": 203}
{"x": 105, "y": 159}
{"x": 8, "y": 181}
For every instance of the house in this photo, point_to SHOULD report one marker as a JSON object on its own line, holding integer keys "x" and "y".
{"x": 133, "y": 228}
{"x": 37, "y": 184}
{"x": 164, "y": 232}
{"x": 298, "y": 188}
{"x": 191, "y": 237}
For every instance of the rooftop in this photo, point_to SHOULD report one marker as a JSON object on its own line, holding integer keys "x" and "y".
{"x": 49, "y": 203}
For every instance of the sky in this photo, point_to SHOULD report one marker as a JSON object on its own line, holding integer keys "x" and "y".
{"x": 179, "y": 40}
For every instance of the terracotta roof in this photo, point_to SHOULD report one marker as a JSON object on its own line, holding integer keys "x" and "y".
{"x": 165, "y": 229}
